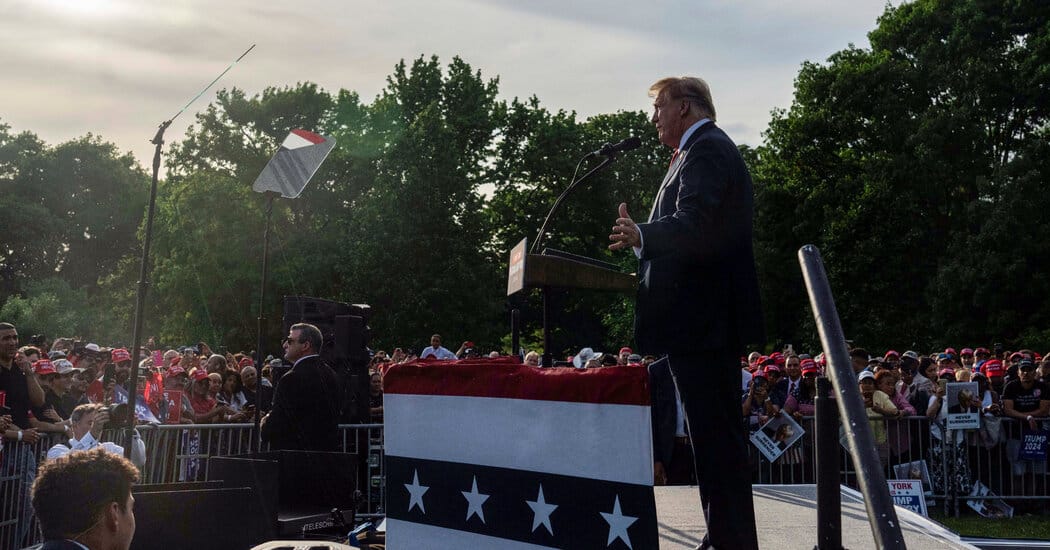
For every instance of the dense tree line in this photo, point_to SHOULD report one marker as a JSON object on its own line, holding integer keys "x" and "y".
{"x": 916, "y": 165}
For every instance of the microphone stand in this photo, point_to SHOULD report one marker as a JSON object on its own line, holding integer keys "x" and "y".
{"x": 545, "y": 291}
{"x": 140, "y": 302}
{"x": 143, "y": 284}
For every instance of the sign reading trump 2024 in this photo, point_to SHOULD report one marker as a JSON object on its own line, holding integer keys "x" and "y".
{"x": 907, "y": 493}
{"x": 1033, "y": 445}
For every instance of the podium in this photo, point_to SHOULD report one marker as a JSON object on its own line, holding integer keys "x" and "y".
{"x": 554, "y": 269}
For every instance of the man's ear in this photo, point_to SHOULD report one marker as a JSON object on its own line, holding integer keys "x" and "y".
{"x": 112, "y": 517}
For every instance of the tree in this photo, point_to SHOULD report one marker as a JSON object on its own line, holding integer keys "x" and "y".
{"x": 885, "y": 155}
{"x": 70, "y": 210}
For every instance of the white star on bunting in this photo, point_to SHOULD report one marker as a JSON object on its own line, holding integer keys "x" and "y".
{"x": 474, "y": 501}
{"x": 618, "y": 524}
{"x": 541, "y": 512}
{"x": 415, "y": 491}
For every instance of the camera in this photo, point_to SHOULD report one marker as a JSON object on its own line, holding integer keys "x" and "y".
{"x": 118, "y": 414}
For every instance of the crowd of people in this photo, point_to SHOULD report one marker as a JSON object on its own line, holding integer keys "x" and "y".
{"x": 899, "y": 388}
{"x": 71, "y": 388}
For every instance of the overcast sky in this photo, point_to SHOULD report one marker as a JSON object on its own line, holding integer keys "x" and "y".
{"x": 117, "y": 68}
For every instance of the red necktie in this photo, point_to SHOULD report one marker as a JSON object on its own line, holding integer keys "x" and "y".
{"x": 673, "y": 157}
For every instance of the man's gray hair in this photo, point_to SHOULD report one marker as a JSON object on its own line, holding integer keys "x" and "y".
{"x": 309, "y": 333}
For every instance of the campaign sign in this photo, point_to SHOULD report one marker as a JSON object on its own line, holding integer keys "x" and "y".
{"x": 158, "y": 358}
{"x": 174, "y": 401}
{"x": 964, "y": 406}
{"x": 776, "y": 436}
{"x": 916, "y": 470}
{"x": 1033, "y": 445}
{"x": 907, "y": 493}
{"x": 989, "y": 506}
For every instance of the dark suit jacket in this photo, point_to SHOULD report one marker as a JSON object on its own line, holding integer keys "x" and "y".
{"x": 56, "y": 545}
{"x": 305, "y": 411}
{"x": 698, "y": 289}
{"x": 664, "y": 410}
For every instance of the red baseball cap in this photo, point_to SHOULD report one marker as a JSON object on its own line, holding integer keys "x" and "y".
{"x": 120, "y": 355}
{"x": 773, "y": 368}
{"x": 245, "y": 362}
{"x": 993, "y": 367}
{"x": 200, "y": 374}
{"x": 946, "y": 371}
{"x": 44, "y": 366}
{"x": 808, "y": 366}
{"x": 982, "y": 351}
{"x": 951, "y": 351}
{"x": 626, "y": 349}
{"x": 175, "y": 370}
{"x": 891, "y": 353}
{"x": 966, "y": 351}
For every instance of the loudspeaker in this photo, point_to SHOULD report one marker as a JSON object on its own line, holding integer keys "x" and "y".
{"x": 199, "y": 518}
{"x": 297, "y": 490}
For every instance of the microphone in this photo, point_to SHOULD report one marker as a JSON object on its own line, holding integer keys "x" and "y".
{"x": 610, "y": 149}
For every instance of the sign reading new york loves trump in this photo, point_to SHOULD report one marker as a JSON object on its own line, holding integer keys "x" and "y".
{"x": 493, "y": 454}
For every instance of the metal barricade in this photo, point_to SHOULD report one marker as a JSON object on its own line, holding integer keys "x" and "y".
{"x": 174, "y": 453}
{"x": 950, "y": 473}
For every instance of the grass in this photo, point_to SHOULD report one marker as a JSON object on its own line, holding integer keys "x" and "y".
{"x": 969, "y": 524}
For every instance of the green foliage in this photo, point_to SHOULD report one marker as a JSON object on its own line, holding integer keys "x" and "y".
{"x": 917, "y": 166}
{"x": 69, "y": 211}
{"x": 900, "y": 162}
{"x": 50, "y": 306}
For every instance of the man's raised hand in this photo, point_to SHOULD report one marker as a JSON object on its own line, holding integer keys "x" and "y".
{"x": 625, "y": 232}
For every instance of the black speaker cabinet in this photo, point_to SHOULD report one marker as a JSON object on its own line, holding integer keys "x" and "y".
{"x": 297, "y": 489}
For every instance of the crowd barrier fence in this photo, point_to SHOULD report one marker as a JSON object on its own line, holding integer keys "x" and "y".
{"x": 178, "y": 453}
{"x": 174, "y": 453}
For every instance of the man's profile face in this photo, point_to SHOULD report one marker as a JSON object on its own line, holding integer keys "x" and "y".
{"x": 667, "y": 117}
{"x": 126, "y": 524}
{"x": 293, "y": 347}
{"x": 8, "y": 343}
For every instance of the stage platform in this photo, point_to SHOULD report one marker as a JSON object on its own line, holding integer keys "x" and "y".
{"x": 788, "y": 520}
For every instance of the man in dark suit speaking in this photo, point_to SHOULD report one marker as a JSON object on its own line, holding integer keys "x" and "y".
{"x": 305, "y": 411}
{"x": 698, "y": 300}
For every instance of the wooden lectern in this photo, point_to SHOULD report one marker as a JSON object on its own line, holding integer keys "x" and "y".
{"x": 556, "y": 269}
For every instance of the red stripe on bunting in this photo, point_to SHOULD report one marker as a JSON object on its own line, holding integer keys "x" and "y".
{"x": 507, "y": 379}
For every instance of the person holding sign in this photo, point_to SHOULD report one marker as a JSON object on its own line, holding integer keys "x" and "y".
{"x": 1028, "y": 400}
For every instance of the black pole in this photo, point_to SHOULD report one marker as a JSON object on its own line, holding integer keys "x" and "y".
{"x": 561, "y": 198}
{"x": 548, "y": 340}
{"x": 140, "y": 302}
{"x": 515, "y": 328}
{"x": 829, "y": 497}
{"x": 259, "y": 358}
{"x": 872, "y": 480}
